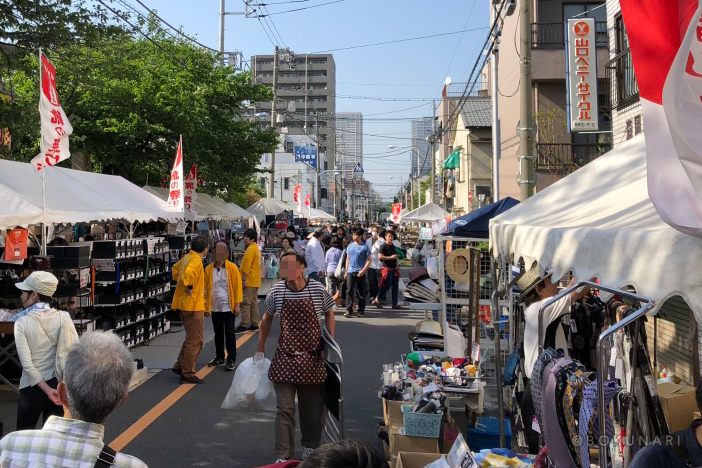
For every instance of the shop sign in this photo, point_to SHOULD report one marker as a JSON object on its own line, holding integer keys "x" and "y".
{"x": 306, "y": 154}
{"x": 180, "y": 228}
{"x": 190, "y": 191}
{"x": 396, "y": 215}
{"x": 425, "y": 233}
{"x": 238, "y": 226}
{"x": 151, "y": 245}
{"x": 582, "y": 75}
{"x": 440, "y": 226}
{"x": 104, "y": 264}
{"x": 175, "y": 187}
{"x": 84, "y": 277}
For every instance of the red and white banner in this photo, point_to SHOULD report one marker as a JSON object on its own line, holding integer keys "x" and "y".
{"x": 582, "y": 75}
{"x": 176, "y": 194}
{"x": 396, "y": 216}
{"x": 55, "y": 127}
{"x": 308, "y": 198}
{"x": 665, "y": 38}
{"x": 190, "y": 191}
{"x": 297, "y": 197}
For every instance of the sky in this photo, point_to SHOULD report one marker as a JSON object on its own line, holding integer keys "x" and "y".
{"x": 411, "y": 72}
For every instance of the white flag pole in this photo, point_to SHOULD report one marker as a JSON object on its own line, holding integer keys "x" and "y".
{"x": 44, "y": 229}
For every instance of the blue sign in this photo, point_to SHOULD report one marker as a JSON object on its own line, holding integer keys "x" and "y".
{"x": 307, "y": 155}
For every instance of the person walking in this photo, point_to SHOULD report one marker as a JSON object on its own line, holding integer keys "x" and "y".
{"x": 189, "y": 301}
{"x": 297, "y": 367}
{"x": 358, "y": 258}
{"x": 373, "y": 244}
{"x": 38, "y": 332}
{"x": 314, "y": 255}
{"x": 223, "y": 296}
{"x": 251, "y": 277}
{"x": 332, "y": 259}
{"x": 390, "y": 273}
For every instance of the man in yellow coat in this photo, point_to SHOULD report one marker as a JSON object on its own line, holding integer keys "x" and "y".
{"x": 189, "y": 300}
{"x": 223, "y": 296}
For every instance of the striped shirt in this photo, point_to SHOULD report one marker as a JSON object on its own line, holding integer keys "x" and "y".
{"x": 314, "y": 290}
{"x": 62, "y": 442}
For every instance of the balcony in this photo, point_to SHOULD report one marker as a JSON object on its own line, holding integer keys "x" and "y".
{"x": 552, "y": 35}
{"x": 564, "y": 158}
{"x": 620, "y": 72}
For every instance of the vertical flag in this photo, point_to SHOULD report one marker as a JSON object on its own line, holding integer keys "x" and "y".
{"x": 297, "y": 197}
{"x": 665, "y": 39}
{"x": 55, "y": 127}
{"x": 190, "y": 192}
{"x": 307, "y": 204}
{"x": 175, "y": 188}
{"x": 6, "y": 138}
{"x": 396, "y": 210}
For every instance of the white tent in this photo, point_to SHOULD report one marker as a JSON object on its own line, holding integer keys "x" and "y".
{"x": 208, "y": 207}
{"x": 311, "y": 213}
{"x": 73, "y": 197}
{"x": 599, "y": 221}
{"x": 266, "y": 207}
{"x": 426, "y": 214}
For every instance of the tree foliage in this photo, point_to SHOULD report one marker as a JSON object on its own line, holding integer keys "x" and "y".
{"x": 129, "y": 99}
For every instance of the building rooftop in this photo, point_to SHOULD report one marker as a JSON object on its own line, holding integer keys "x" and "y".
{"x": 477, "y": 113}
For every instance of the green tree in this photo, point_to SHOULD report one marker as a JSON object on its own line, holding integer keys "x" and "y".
{"x": 130, "y": 99}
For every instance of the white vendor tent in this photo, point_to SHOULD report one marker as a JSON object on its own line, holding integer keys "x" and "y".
{"x": 267, "y": 206}
{"x": 208, "y": 207}
{"x": 599, "y": 221}
{"x": 73, "y": 197}
{"x": 425, "y": 214}
{"x": 311, "y": 213}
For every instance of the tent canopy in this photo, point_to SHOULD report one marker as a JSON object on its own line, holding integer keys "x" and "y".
{"x": 426, "y": 214}
{"x": 207, "y": 206}
{"x": 312, "y": 213}
{"x": 73, "y": 197}
{"x": 476, "y": 224}
{"x": 599, "y": 221}
{"x": 266, "y": 207}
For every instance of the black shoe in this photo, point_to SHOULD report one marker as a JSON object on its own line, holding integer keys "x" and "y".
{"x": 241, "y": 329}
{"x": 230, "y": 365}
{"x": 253, "y": 327}
{"x": 193, "y": 380}
{"x": 361, "y": 313}
{"x": 399, "y": 307}
{"x": 348, "y": 314}
{"x": 216, "y": 362}
{"x": 177, "y": 371}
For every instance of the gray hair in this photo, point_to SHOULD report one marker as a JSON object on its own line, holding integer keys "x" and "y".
{"x": 97, "y": 376}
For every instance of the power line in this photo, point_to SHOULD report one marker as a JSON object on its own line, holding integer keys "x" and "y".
{"x": 271, "y": 23}
{"x": 265, "y": 31}
{"x": 302, "y": 8}
{"x": 401, "y": 40}
{"x": 460, "y": 39}
{"x": 178, "y": 31}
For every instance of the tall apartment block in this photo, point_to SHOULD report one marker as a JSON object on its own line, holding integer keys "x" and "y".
{"x": 421, "y": 151}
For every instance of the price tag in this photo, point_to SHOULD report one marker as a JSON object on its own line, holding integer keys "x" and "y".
{"x": 180, "y": 229}
{"x": 151, "y": 246}
{"x": 573, "y": 326}
{"x": 84, "y": 277}
{"x": 104, "y": 264}
{"x": 535, "y": 425}
{"x": 475, "y": 353}
{"x": 613, "y": 357}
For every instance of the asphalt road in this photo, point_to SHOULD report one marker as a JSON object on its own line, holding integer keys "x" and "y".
{"x": 194, "y": 431}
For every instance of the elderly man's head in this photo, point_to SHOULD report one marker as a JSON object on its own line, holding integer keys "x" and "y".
{"x": 221, "y": 253}
{"x": 96, "y": 377}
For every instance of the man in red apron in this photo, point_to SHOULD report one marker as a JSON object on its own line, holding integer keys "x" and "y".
{"x": 297, "y": 368}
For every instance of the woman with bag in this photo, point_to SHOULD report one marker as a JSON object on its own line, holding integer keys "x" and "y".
{"x": 297, "y": 367}
{"x": 332, "y": 258}
{"x": 43, "y": 336}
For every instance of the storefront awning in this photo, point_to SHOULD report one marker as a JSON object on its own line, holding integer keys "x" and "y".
{"x": 454, "y": 160}
{"x": 599, "y": 221}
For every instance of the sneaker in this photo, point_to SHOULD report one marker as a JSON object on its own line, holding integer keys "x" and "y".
{"x": 241, "y": 329}
{"x": 306, "y": 452}
{"x": 193, "y": 380}
{"x": 377, "y": 303}
{"x": 253, "y": 327}
{"x": 361, "y": 313}
{"x": 281, "y": 460}
{"x": 216, "y": 362}
{"x": 230, "y": 365}
{"x": 348, "y": 314}
{"x": 177, "y": 371}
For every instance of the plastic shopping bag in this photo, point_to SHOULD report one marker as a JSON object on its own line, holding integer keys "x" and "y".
{"x": 251, "y": 390}
{"x": 273, "y": 267}
{"x": 401, "y": 286}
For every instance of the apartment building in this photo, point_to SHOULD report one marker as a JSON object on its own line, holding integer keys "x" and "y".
{"x": 421, "y": 147}
{"x": 349, "y": 152}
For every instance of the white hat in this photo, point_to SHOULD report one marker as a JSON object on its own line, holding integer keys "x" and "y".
{"x": 41, "y": 282}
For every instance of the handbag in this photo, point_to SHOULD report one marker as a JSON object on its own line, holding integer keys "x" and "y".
{"x": 62, "y": 344}
{"x": 340, "y": 267}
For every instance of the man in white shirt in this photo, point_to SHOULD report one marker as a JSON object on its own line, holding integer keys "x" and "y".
{"x": 374, "y": 243}
{"x": 37, "y": 333}
{"x": 536, "y": 291}
{"x": 314, "y": 254}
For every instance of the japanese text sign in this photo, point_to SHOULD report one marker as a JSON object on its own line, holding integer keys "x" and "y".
{"x": 306, "y": 154}
{"x": 176, "y": 187}
{"x": 190, "y": 191}
{"x": 582, "y": 75}
{"x": 396, "y": 215}
{"x": 297, "y": 197}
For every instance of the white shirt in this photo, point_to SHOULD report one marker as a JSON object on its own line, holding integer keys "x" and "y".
{"x": 220, "y": 291}
{"x": 314, "y": 254}
{"x": 36, "y": 351}
{"x": 531, "y": 334}
{"x": 376, "y": 264}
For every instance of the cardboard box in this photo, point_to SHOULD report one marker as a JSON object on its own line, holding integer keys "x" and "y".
{"x": 679, "y": 405}
{"x": 392, "y": 411}
{"x": 402, "y": 443}
{"x": 415, "y": 460}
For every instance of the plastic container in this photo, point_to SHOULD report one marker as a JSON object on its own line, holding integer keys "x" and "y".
{"x": 486, "y": 434}
{"x": 421, "y": 424}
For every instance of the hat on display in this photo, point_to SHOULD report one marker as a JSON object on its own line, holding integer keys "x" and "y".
{"x": 41, "y": 282}
{"x": 458, "y": 265}
{"x": 429, "y": 327}
{"x": 417, "y": 274}
{"x": 530, "y": 280}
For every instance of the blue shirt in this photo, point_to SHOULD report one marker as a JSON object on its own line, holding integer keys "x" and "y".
{"x": 358, "y": 254}
{"x": 332, "y": 259}
{"x": 37, "y": 306}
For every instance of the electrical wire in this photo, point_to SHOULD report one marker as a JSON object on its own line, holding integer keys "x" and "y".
{"x": 178, "y": 31}
{"x": 265, "y": 31}
{"x": 302, "y": 8}
{"x": 271, "y": 23}
{"x": 460, "y": 39}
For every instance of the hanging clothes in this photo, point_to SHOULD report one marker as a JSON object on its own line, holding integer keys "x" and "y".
{"x": 554, "y": 437}
{"x": 589, "y": 419}
{"x": 548, "y": 356}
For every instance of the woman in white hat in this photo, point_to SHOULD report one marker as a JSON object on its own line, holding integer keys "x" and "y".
{"x": 40, "y": 330}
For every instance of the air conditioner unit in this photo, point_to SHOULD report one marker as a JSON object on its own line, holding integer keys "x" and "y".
{"x": 511, "y": 6}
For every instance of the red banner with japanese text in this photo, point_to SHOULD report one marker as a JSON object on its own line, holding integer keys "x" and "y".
{"x": 176, "y": 194}
{"x": 396, "y": 215}
{"x": 55, "y": 127}
{"x": 190, "y": 192}
{"x": 297, "y": 198}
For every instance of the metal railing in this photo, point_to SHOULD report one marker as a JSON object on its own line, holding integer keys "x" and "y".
{"x": 620, "y": 72}
{"x": 552, "y": 35}
{"x": 565, "y": 157}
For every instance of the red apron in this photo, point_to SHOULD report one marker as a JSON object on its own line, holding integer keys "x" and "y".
{"x": 298, "y": 359}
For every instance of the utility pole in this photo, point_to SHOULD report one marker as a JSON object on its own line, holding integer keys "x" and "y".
{"x": 433, "y": 151}
{"x": 496, "y": 137}
{"x": 526, "y": 177}
{"x": 222, "y": 9}
{"x": 318, "y": 190}
{"x": 273, "y": 119}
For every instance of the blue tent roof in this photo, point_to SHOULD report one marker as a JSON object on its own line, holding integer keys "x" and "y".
{"x": 476, "y": 224}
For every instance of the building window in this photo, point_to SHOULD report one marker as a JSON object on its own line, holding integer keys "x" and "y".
{"x": 266, "y": 157}
{"x": 318, "y": 61}
{"x": 263, "y": 182}
{"x": 627, "y": 88}
{"x": 286, "y": 183}
{"x": 324, "y": 193}
{"x": 326, "y": 165}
